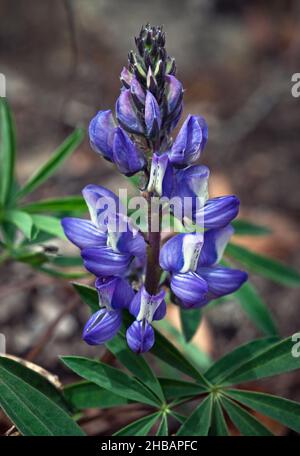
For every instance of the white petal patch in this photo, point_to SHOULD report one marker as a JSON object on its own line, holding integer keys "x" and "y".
{"x": 191, "y": 249}
{"x": 157, "y": 174}
{"x": 149, "y": 304}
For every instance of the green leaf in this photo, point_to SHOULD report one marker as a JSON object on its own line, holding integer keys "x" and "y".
{"x": 88, "y": 295}
{"x": 175, "y": 389}
{"x": 178, "y": 416}
{"x": 110, "y": 378}
{"x": 274, "y": 360}
{"x": 198, "y": 423}
{"x": 139, "y": 427}
{"x": 244, "y": 421}
{"x": 21, "y": 220}
{"x": 231, "y": 361}
{"x": 83, "y": 395}
{"x": 218, "y": 423}
{"x": 246, "y": 228}
{"x": 60, "y": 274}
{"x": 35, "y": 380}
{"x": 167, "y": 352}
{"x": 264, "y": 266}
{"x": 65, "y": 204}
{"x": 49, "y": 224}
{"x": 283, "y": 410}
{"x": 66, "y": 261}
{"x": 192, "y": 352}
{"x": 8, "y": 151}
{"x": 163, "y": 426}
{"x": 256, "y": 309}
{"x": 58, "y": 157}
{"x": 135, "y": 364}
{"x": 30, "y": 410}
{"x": 190, "y": 321}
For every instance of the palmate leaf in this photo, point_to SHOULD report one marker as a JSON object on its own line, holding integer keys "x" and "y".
{"x": 264, "y": 266}
{"x": 190, "y": 322}
{"x": 58, "y": 205}
{"x": 139, "y": 427}
{"x": 8, "y": 152}
{"x": 112, "y": 379}
{"x": 21, "y": 220}
{"x": 85, "y": 394}
{"x": 231, "y": 361}
{"x": 218, "y": 423}
{"x": 246, "y": 228}
{"x": 274, "y": 360}
{"x": 135, "y": 364}
{"x": 30, "y": 410}
{"x": 255, "y": 308}
{"x": 58, "y": 157}
{"x": 244, "y": 421}
{"x": 198, "y": 423}
{"x": 283, "y": 410}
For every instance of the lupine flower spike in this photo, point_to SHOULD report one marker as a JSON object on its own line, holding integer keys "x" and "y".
{"x": 138, "y": 138}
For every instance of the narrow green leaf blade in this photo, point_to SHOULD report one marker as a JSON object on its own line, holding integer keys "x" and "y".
{"x": 231, "y": 361}
{"x": 21, "y": 220}
{"x": 49, "y": 224}
{"x": 135, "y": 364}
{"x": 110, "y": 378}
{"x": 88, "y": 295}
{"x": 275, "y": 360}
{"x": 35, "y": 380}
{"x": 283, "y": 410}
{"x": 256, "y": 309}
{"x": 190, "y": 321}
{"x": 163, "y": 426}
{"x": 244, "y": 421}
{"x": 8, "y": 151}
{"x": 246, "y": 228}
{"x": 58, "y": 157}
{"x": 30, "y": 410}
{"x": 198, "y": 423}
{"x": 218, "y": 423}
{"x": 139, "y": 427}
{"x": 267, "y": 267}
{"x": 175, "y": 389}
{"x": 83, "y": 395}
{"x": 64, "y": 204}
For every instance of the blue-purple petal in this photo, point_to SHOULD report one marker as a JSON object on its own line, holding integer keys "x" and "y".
{"x": 114, "y": 292}
{"x": 105, "y": 262}
{"x": 187, "y": 146}
{"x": 101, "y": 132}
{"x": 215, "y": 242}
{"x": 190, "y": 288}
{"x": 152, "y": 115}
{"x": 82, "y": 233}
{"x": 219, "y": 212}
{"x": 140, "y": 336}
{"x": 102, "y": 326}
{"x": 221, "y": 280}
{"x": 126, "y": 113}
{"x": 127, "y": 156}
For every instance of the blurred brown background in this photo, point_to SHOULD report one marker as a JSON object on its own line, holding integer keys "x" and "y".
{"x": 62, "y": 61}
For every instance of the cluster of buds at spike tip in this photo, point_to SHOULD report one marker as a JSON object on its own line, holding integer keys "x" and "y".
{"x": 128, "y": 264}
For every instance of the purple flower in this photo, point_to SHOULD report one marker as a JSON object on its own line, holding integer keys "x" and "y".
{"x": 127, "y": 114}
{"x": 145, "y": 308}
{"x": 192, "y": 260}
{"x": 127, "y": 156}
{"x": 109, "y": 242}
{"x": 161, "y": 176}
{"x": 219, "y": 212}
{"x": 101, "y": 131}
{"x": 102, "y": 326}
{"x": 152, "y": 116}
{"x": 173, "y": 93}
{"x": 190, "y": 141}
